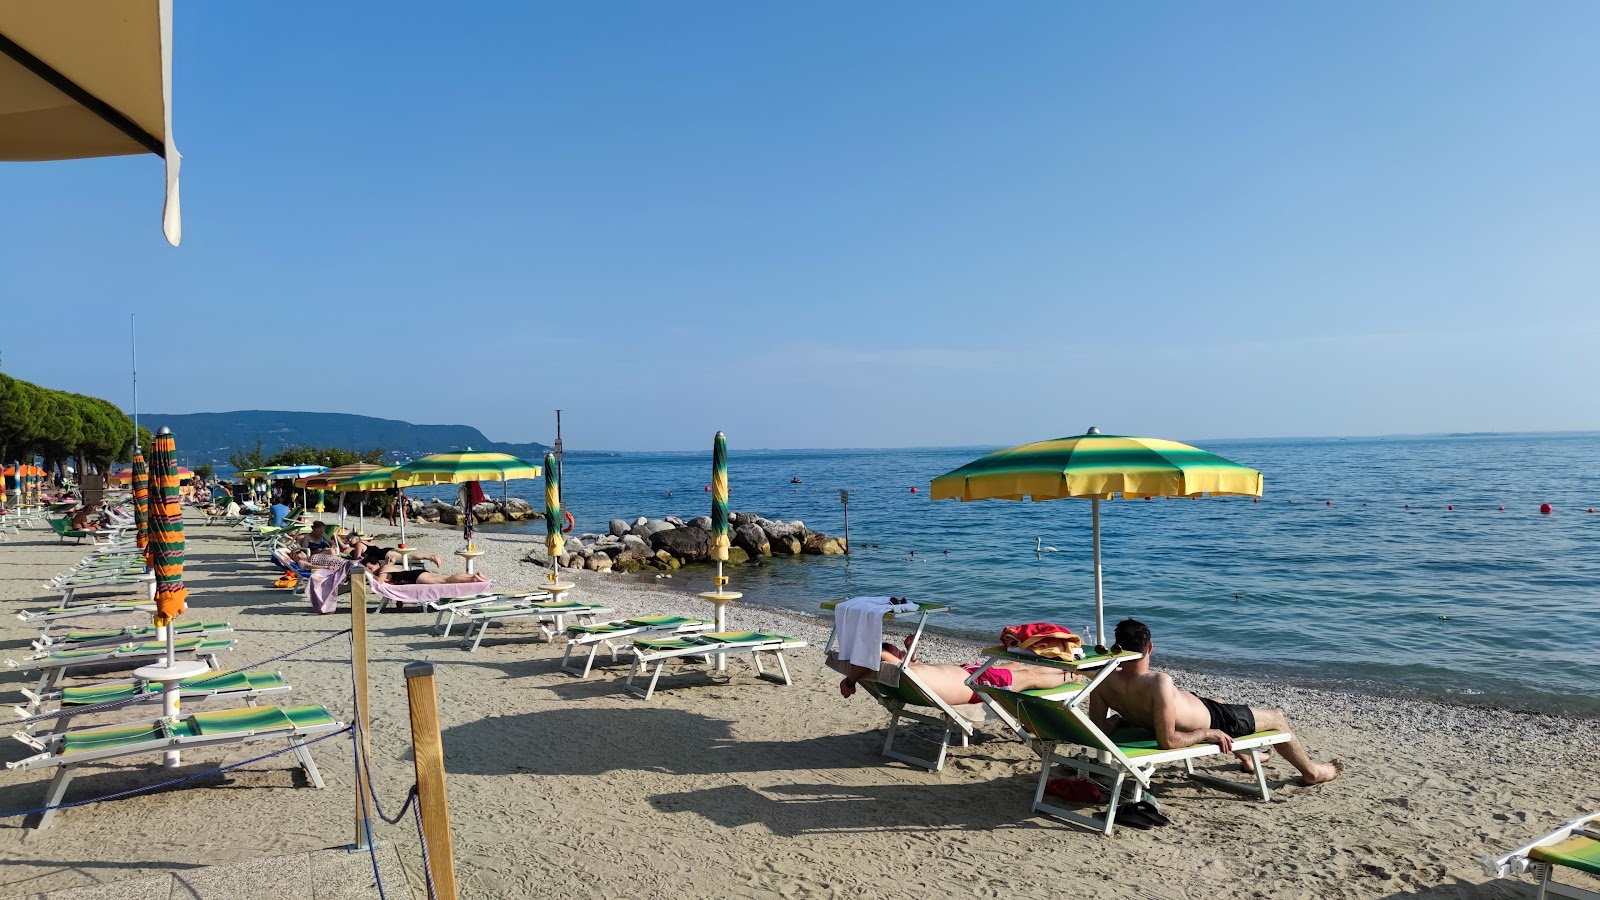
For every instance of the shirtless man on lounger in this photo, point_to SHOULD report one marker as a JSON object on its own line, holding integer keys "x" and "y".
{"x": 949, "y": 682}
{"x": 1147, "y": 699}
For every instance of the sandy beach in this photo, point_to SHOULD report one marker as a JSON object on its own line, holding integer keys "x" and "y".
{"x": 735, "y": 786}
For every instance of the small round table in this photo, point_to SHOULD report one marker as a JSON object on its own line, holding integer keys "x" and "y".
{"x": 470, "y": 554}
{"x": 719, "y": 617}
{"x": 168, "y": 677}
{"x": 557, "y": 588}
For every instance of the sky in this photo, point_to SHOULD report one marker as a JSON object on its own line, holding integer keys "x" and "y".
{"x": 838, "y": 224}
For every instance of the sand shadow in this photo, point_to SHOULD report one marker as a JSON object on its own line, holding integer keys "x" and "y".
{"x": 795, "y": 810}
{"x": 1496, "y": 889}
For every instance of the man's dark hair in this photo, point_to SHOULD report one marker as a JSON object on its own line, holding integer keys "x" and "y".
{"x": 1133, "y": 635}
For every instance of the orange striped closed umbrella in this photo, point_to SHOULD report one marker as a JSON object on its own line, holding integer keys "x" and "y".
{"x": 166, "y": 530}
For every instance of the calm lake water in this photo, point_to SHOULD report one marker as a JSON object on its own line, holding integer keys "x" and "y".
{"x": 1474, "y": 603}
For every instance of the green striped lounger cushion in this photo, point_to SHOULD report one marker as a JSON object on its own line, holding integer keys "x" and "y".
{"x": 663, "y": 622}
{"x": 258, "y": 718}
{"x": 112, "y": 736}
{"x": 1576, "y": 852}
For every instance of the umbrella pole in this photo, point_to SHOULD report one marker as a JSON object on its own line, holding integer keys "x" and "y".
{"x": 400, "y": 502}
{"x": 1099, "y": 588}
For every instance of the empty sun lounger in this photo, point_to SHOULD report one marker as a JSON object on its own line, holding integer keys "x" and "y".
{"x": 59, "y": 614}
{"x": 245, "y": 686}
{"x": 615, "y": 634}
{"x": 1056, "y": 721}
{"x": 54, "y": 666}
{"x": 1575, "y": 846}
{"x": 550, "y": 616}
{"x": 82, "y": 640}
{"x": 448, "y": 608}
{"x": 114, "y": 743}
{"x": 650, "y": 654}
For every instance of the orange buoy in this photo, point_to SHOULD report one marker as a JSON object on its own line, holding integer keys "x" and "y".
{"x": 1546, "y": 509}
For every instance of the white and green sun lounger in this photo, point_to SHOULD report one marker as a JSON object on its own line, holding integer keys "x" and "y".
{"x": 82, "y": 640}
{"x": 1057, "y": 722}
{"x": 54, "y": 615}
{"x": 54, "y": 666}
{"x": 551, "y": 618}
{"x": 618, "y": 634}
{"x": 449, "y": 607}
{"x": 245, "y": 686}
{"x": 650, "y": 654}
{"x": 114, "y": 743}
{"x": 1575, "y": 846}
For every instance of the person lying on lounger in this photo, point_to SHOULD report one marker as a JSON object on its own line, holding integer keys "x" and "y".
{"x": 1147, "y": 699}
{"x": 949, "y": 682}
{"x": 391, "y": 574}
{"x": 367, "y": 553}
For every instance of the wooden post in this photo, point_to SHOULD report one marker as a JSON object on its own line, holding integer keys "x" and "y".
{"x": 358, "y": 662}
{"x": 428, "y": 752}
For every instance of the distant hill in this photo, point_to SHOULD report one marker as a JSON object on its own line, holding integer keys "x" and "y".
{"x": 210, "y": 437}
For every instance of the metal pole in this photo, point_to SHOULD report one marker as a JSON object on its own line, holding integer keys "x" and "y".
{"x": 133, "y": 319}
{"x": 427, "y": 752}
{"x": 1099, "y": 589}
{"x": 844, "y": 497}
{"x": 561, "y": 474}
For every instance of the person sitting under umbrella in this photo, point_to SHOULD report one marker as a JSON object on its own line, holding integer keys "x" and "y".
{"x": 949, "y": 682}
{"x": 392, "y": 574}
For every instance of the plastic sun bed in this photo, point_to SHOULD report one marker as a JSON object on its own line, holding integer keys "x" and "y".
{"x": 448, "y": 608}
{"x": 50, "y": 617}
{"x": 1575, "y": 845}
{"x": 54, "y": 666}
{"x": 82, "y": 640}
{"x": 114, "y": 743}
{"x": 904, "y": 696}
{"x": 607, "y": 634}
{"x": 95, "y": 536}
{"x": 550, "y": 616}
{"x": 650, "y": 654}
{"x": 246, "y": 686}
{"x": 1056, "y": 722}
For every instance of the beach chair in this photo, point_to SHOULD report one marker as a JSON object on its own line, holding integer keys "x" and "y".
{"x": 60, "y": 614}
{"x": 651, "y": 654}
{"x": 82, "y": 640}
{"x": 245, "y": 686}
{"x": 448, "y": 608}
{"x": 549, "y": 616}
{"x": 1057, "y": 725}
{"x": 905, "y": 697}
{"x": 1575, "y": 846}
{"x": 618, "y": 634}
{"x": 54, "y": 666}
{"x": 114, "y": 743}
{"x": 99, "y": 536}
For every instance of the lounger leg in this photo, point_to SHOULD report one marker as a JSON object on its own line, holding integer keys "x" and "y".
{"x": 1116, "y": 800}
{"x": 439, "y": 622}
{"x": 1046, "y": 752}
{"x": 1261, "y": 776}
{"x": 1544, "y": 882}
{"x": 755, "y": 657}
{"x": 784, "y": 668}
{"x": 483, "y": 627}
{"x": 306, "y": 762}
{"x": 53, "y": 795}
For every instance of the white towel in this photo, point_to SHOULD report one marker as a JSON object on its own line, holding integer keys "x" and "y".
{"x": 859, "y": 622}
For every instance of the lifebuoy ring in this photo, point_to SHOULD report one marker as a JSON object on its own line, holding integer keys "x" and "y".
{"x": 567, "y": 529}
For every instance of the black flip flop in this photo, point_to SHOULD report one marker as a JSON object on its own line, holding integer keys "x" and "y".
{"x": 1132, "y": 817}
{"x": 1151, "y": 813}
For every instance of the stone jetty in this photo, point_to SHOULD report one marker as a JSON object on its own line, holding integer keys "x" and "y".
{"x": 672, "y": 543}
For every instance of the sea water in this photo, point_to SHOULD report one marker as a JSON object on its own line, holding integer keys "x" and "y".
{"x": 1350, "y": 570}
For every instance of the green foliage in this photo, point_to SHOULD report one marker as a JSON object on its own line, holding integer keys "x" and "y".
{"x": 248, "y": 459}
{"x": 204, "y": 472}
{"x": 60, "y": 426}
{"x": 331, "y": 457}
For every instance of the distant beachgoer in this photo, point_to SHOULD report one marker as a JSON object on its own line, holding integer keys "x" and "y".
{"x": 1180, "y": 719}
{"x": 280, "y": 514}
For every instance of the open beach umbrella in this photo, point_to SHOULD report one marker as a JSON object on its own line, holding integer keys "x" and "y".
{"x": 461, "y": 466}
{"x": 141, "y": 502}
{"x": 294, "y": 473}
{"x": 554, "y": 544}
{"x": 380, "y": 479}
{"x": 126, "y": 476}
{"x": 1097, "y": 467}
{"x": 328, "y": 480}
{"x": 89, "y": 78}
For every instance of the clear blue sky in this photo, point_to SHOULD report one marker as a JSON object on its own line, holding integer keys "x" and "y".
{"x": 845, "y": 224}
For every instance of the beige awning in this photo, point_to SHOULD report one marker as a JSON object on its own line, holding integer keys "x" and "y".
{"x": 88, "y": 78}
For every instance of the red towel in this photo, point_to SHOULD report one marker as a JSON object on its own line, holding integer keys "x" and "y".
{"x": 1042, "y": 638}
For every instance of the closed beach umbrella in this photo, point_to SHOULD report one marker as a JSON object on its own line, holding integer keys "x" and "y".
{"x": 554, "y": 544}
{"x": 719, "y": 501}
{"x": 89, "y": 78}
{"x": 166, "y": 531}
{"x": 141, "y": 501}
{"x": 1097, "y": 467}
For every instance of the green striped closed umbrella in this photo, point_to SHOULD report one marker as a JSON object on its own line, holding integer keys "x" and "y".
{"x": 141, "y": 500}
{"x": 554, "y": 544}
{"x": 166, "y": 530}
{"x": 1097, "y": 467}
{"x": 719, "y": 501}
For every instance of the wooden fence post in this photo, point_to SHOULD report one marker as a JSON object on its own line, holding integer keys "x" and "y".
{"x": 427, "y": 749}
{"x": 358, "y": 661}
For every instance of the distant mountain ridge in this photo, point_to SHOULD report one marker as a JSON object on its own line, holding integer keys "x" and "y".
{"x": 210, "y": 437}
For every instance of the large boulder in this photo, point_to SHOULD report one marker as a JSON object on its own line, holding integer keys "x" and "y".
{"x": 818, "y": 544}
{"x": 618, "y": 527}
{"x": 517, "y": 509}
{"x": 786, "y": 546}
{"x": 635, "y": 547}
{"x": 674, "y": 521}
{"x": 639, "y": 521}
{"x": 600, "y": 562}
{"x": 776, "y": 530}
{"x": 752, "y": 539}
{"x": 700, "y": 522}
{"x": 651, "y": 527}
{"x": 448, "y": 515}
{"x": 737, "y": 556}
{"x": 687, "y": 544}
{"x": 487, "y": 512}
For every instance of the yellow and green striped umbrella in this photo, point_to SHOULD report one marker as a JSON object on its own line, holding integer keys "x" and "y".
{"x": 461, "y": 466}
{"x": 375, "y": 480}
{"x": 166, "y": 530}
{"x": 331, "y": 479}
{"x": 553, "y": 542}
{"x": 719, "y": 498}
{"x": 141, "y": 498}
{"x": 1097, "y": 467}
